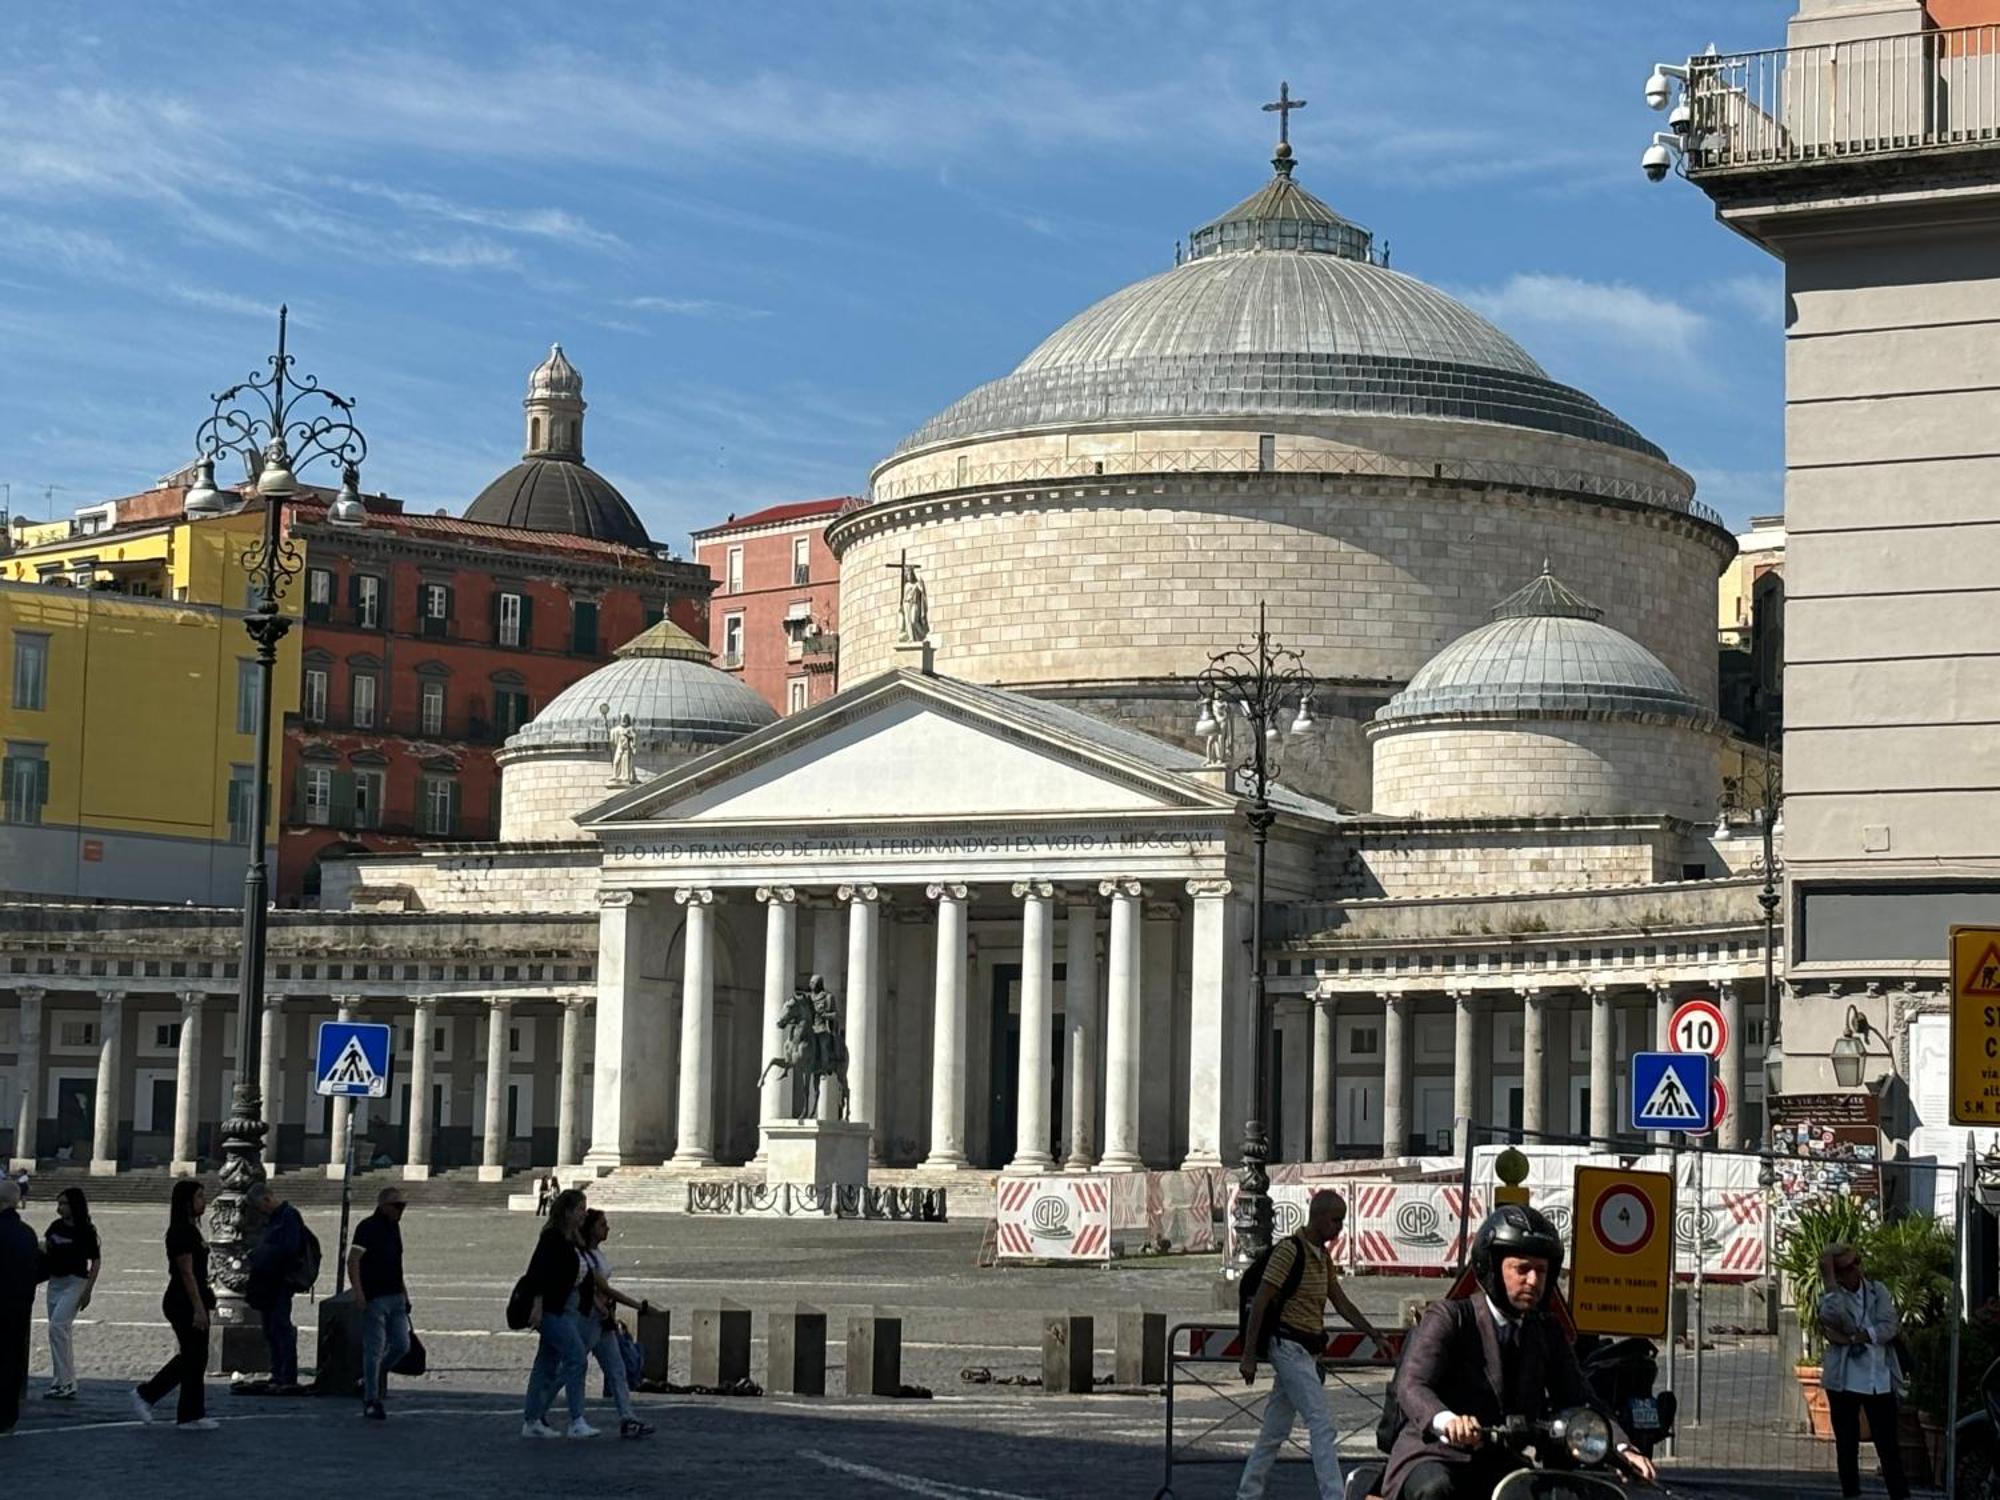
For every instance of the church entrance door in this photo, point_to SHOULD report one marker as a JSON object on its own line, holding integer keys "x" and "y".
{"x": 1004, "y": 1095}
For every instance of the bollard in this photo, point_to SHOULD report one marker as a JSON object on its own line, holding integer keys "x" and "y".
{"x": 874, "y": 1355}
{"x": 1068, "y": 1355}
{"x": 655, "y": 1336}
{"x": 795, "y": 1353}
{"x": 1140, "y": 1355}
{"x": 721, "y": 1346}
{"x": 338, "y": 1367}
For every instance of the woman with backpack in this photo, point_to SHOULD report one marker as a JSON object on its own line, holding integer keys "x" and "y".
{"x": 74, "y": 1258}
{"x": 188, "y": 1301}
{"x": 601, "y": 1333}
{"x": 557, "y": 1286}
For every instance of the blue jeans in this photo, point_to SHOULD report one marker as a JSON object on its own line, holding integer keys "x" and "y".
{"x": 611, "y": 1359}
{"x": 283, "y": 1339}
{"x": 559, "y": 1361}
{"x": 385, "y": 1339}
{"x": 1295, "y": 1392}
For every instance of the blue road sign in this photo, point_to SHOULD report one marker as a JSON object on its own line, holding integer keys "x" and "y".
{"x": 352, "y": 1059}
{"x": 1673, "y": 1091}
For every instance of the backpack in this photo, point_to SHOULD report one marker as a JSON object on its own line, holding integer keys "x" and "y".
{"x": 1248, "y": 1285}
{"x": 304, "y": 1269}
{"x": 521, "y": 1304}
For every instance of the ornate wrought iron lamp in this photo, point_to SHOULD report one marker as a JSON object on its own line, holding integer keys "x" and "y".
{"x": 278, "y": 423}
{"x": 1257, "y": 687}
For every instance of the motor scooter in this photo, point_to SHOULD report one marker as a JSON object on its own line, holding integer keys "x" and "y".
{"x": 1565, "y": 1457}
{"x": 1621, "y": 1374}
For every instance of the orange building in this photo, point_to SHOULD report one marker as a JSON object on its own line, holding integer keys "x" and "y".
{"x": 775, "y": 614}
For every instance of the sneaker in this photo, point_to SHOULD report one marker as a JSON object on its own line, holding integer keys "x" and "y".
{"x": 59, "y": 1393}
{"x": 580, "y": 1429}
{"x": 141, "y": 1407}
{"x": 538, "y": 1430}
{"x": 632, "y": 1427}
{"x": 373, "y": 1411}
{"x": 199, "y": 1424}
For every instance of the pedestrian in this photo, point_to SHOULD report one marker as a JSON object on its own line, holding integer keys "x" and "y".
{"x": 187, "y": 1303}
{"x": 1859, "y": 1371}
{"x": 74, "y": 1259}
{"x": 601, "y": 1331}
{"x": 544, "y": 1192}
{"x": 375, "y": 1270}
{"x": 21, "y": 1270}
{"x": 558, "y": 1278}
{"x": 274, "y": 1265}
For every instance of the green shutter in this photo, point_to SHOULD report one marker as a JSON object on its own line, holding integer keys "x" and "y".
{"x": 342, "y": 805}
{"x": 354, "y": 596}
{"x": 585, "y": 642}
{"x": 527, "y": 620}
{"x": 6, "y": 785}
{"x": 235, "y": 805}
{"x": 493, "y": 609}
{"x": 385, "y": 616}
{"x": 450, "y": 607}
{"x": 299, "y": 795}
{"x": 41, "y": 784}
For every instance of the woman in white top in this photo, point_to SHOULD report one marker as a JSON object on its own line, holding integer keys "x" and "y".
{"x": 1859, "y": 1372}
{"x": 602, "y": 1334}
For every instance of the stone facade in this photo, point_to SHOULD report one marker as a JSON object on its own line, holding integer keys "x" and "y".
{"x": 1414, "y": 858}
{"x": 470, "y": 878}
{"x": 541, "y": 791}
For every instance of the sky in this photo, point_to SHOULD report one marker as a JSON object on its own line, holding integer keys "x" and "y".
{"x": 776, "y": 238}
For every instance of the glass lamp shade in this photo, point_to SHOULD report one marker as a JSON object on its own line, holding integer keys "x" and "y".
{"x": 204, "y": 499}
{"x": 347, "y": 511}
{"x": 1847, "y": 1062}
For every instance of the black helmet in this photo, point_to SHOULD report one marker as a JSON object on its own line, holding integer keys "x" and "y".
{"x": 1514, "y": 1229}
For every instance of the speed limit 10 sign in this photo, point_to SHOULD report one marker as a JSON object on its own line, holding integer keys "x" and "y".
{"x": 1697, "y": 1026}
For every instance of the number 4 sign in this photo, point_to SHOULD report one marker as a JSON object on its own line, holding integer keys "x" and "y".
{"x": 1697, "y": 1026}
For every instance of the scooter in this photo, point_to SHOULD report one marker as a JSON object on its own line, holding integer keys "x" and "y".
{"x": 1567, "y": 1457}
{"x": 1978, "y": 1472}
{"x": 1621, "y": 1373}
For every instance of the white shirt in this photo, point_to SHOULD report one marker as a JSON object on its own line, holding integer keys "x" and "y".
{"x": 1861, "y": 1369}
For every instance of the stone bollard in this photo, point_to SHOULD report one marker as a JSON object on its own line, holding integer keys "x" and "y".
{"x": 655, "y": 1336}
{"x": 1069, "y": 1355}
{"x": 338, "y": 1367}
{"x": 721, "y": 1346}
{"x": 795, "y": 1353}
{"x": 1140, "y": 1356}
{"x": 874, "y": 1355}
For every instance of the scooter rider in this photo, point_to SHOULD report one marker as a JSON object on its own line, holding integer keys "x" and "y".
{"x": 1474, "y": 1362}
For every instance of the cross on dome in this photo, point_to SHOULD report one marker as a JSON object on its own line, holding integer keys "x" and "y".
{"x": 1283, "y": 107}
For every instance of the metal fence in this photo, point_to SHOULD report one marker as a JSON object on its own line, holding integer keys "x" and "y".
{"x": 1865, "y": 97}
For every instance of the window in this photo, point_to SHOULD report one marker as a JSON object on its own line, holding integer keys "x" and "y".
{"x": 1366, "y": 1041}
{"x": 317, "y": 785}
{"x": 439, "y": 802}
{"x": 732, "y": 640}
{"x": 312, "y": 696}
{"x": 510, "y": 613}
{"x": 241, "y": 795}
{"x": 432, "y": 708}
{"x": 1267, "y": 453}
{"x": 732, "y": 582}
{"x": 247, "y": 696}
{"x": 801, "y": 560}
{"x": 367, "y": 599}
{"x": 436, "y": 610}
{"x": 167, "y": 1036}
{"x": 583, "y": 627}
{"x": 78, "y": 1033}
{"x": 31, "y": 670}
{"x": 795, "y": 695}
{"x": 367, "y": 799}
{"x": 319, "y": 594}
{"x": 510, "y": 709}
{"x": 363, "y": 704}
{"x": 24, "y": 781}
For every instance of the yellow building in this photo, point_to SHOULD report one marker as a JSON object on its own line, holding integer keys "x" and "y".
{"x": 129, "y": 713}
{"x": 1759, "y": 551}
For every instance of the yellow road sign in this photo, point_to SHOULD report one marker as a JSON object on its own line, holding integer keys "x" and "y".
{"x": 1975, "y": 1026}
{"x": 1622, "y": 1260}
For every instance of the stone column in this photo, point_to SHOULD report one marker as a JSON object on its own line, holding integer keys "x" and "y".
{"x": 499, "y": 1063}
{"x": 1534, "y": 1062}
{"x": 1121, "y": 1030}
{"x": 1031, "y": 1109}
{"x": 1395, "y": 1073}
{"x": 187, "y": 1086}
{"x": 28, "y": 1079}
{"x": 423, "y": 1078}
{"x": 1603, "y": 1066}
{"x": 110, "y": 1063}
{"x": 1080, "y": 1027}
{"x": 629, "y": 1097}
{"x": 1326, "y": 1099}
{"x": 948, "y": 1031}
{"x": 1729, "y": 1001}
{"x": 340, "y": 1122}
{"x": 781, "y": 947}
{"x": 271, "y": 1073}
{"x": 864, "y": 986}
{"x": 694, "y": 1140}
{"x": 1214, "y": 1034}
{"x": 569, "y": 1096}
{"x": 1465, "y": 1006}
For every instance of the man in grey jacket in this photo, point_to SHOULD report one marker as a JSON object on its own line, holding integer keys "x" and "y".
{"x": 1859, "y": 1371}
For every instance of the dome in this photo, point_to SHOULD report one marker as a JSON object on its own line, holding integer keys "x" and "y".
{"x": 1546, "y": 652}
{"x": 663, "y": 679}
{"x": 554, "y": 376}
{"x": 1280, "y": 309}
{"x": 559, "y": 494}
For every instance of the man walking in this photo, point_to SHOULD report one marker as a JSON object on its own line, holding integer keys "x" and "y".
{"x": 1287, "y": 1326}
{"x": 274, "y": 1266}
{"x": 20, "y": 1273}
{"x": 375, "y": 1269}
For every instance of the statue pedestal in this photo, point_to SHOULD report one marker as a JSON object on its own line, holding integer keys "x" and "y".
{"x": 817, "y": 1153}
{"x": 925, "y": 652}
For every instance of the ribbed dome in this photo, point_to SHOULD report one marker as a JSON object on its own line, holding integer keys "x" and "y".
{"x": 661, "y": 678}
{"x": 554, "y": 376}
{"x": 556, "y": 494}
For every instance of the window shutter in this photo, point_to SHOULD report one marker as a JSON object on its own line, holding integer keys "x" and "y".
{"x": 41, "y": 783}
{"x": 299, "y": 794}
{"x": 493, "y": 608}
{"x": 451, "y": 797}
{"x": 354, "y": 596}
{"x": 450, "y": 607}
{"x": 527, "y": 617}
{"x": 382, "y": 605}
{"x": 585, "y": 633}
{"x": 342, "y": 807}
{"x": 6, "y": 784}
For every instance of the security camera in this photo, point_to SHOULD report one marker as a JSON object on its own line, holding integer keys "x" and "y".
{"x": 1681, "y": 120}
{"x": 1657, "y": 162}
{"x": 1658, "y": 90}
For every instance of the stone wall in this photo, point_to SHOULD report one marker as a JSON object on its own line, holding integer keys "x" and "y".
{"x": 1634, "y": 909}
{"x": 541, "y": 791}
{"x": 545, "y": 877}
{"x": 1580, "y": 767}
{"x": 1429, "y": 859}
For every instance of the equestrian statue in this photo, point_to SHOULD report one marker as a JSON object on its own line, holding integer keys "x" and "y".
{"x": 813, "y": 1047}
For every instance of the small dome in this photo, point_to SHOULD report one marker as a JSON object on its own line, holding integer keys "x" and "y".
{"x": 662, "y": 678}
{"x": 554, "y": 376}
{"x": 557, "y": 494}
{"x": 1546, "y": 652}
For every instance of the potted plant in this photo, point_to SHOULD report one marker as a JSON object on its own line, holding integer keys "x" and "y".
{"x": 1834, "y": 1219}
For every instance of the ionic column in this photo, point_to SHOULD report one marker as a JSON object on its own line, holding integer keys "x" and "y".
{"x": 569, "y": 1097}
{"x": 271, "y": 1073}
{"x": 694, "y": 1141}
{"x": 340, "y": 1122}
{"x": 1325, "y": 1101}
{"x": 1080, "y": 1027}
{"x": 1395, "y": 1073}
{"x": 187, "y": 1085}
{"x": 1534, "y": 1062}
{"x": 1603, "y": 1067}
{"x": 1730, "y": 1001}
{"x": 948, "y": 1031}
{"x": 1215, "y": 1034}
{"x": 1121, "y": 1030}
{"x": 499, "y": 1063}
{"x": 864, "y": 983}
{"x": 1031, "y": 1112}
{"x": 28, "y": 1078}
{"x": 423, "y": 1078}
{"x": 1465, "y": 1006}
{"x": 781, "y": 932}
{"x": 110, "y": 1062}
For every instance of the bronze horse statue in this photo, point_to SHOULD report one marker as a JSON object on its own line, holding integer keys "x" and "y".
{"x": 813, "y": 1046}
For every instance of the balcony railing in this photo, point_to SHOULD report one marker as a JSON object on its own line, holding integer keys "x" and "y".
{"x": 824, "y": 645}
{"x": 1842, "y": 100}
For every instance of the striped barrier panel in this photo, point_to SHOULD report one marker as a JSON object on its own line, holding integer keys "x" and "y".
{"x": 1052, "y": 1218}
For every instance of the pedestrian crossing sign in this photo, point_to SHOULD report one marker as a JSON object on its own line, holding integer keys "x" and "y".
{"x": 1673, "y": 1091}
{"x": 352, "y": 1059}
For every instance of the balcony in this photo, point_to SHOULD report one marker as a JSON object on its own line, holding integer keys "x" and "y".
{"x": 822, "y": 651}
{"x": 1928, "y": 92}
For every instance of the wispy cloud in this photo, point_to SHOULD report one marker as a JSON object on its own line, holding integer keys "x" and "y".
{"x": 694, "y": 307}
{"x": 1760, "y": 297}
{"x": 536, "y": 223}
{"x": 1603, "y": 315}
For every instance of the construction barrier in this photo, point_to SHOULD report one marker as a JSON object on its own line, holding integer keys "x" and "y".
{"x": 1053, "y": 1218}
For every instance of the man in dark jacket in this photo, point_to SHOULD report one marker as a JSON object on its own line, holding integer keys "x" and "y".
{"x": 1473, "y": 1363}
{"x": 21, "y": 1271}
{"x": 270, "y": 1292}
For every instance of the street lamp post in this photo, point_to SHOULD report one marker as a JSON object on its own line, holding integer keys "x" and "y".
{"x": 1769, "y": 813}
{"x": 278, "y": 423}
{"x": 1254, "y": 686}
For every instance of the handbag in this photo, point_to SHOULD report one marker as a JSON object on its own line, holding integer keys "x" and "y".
{"x": 414, "y": 1360}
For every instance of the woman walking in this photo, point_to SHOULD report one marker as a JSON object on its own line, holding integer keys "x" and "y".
{"x": 187, "y": 1304}
{"x": 560, "y": 1281}
{"x": 601, "y": 1330}
{"x": 74, "y": 1259}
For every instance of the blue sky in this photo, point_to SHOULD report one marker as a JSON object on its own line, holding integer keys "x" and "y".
{"x": 775, "y": 238}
